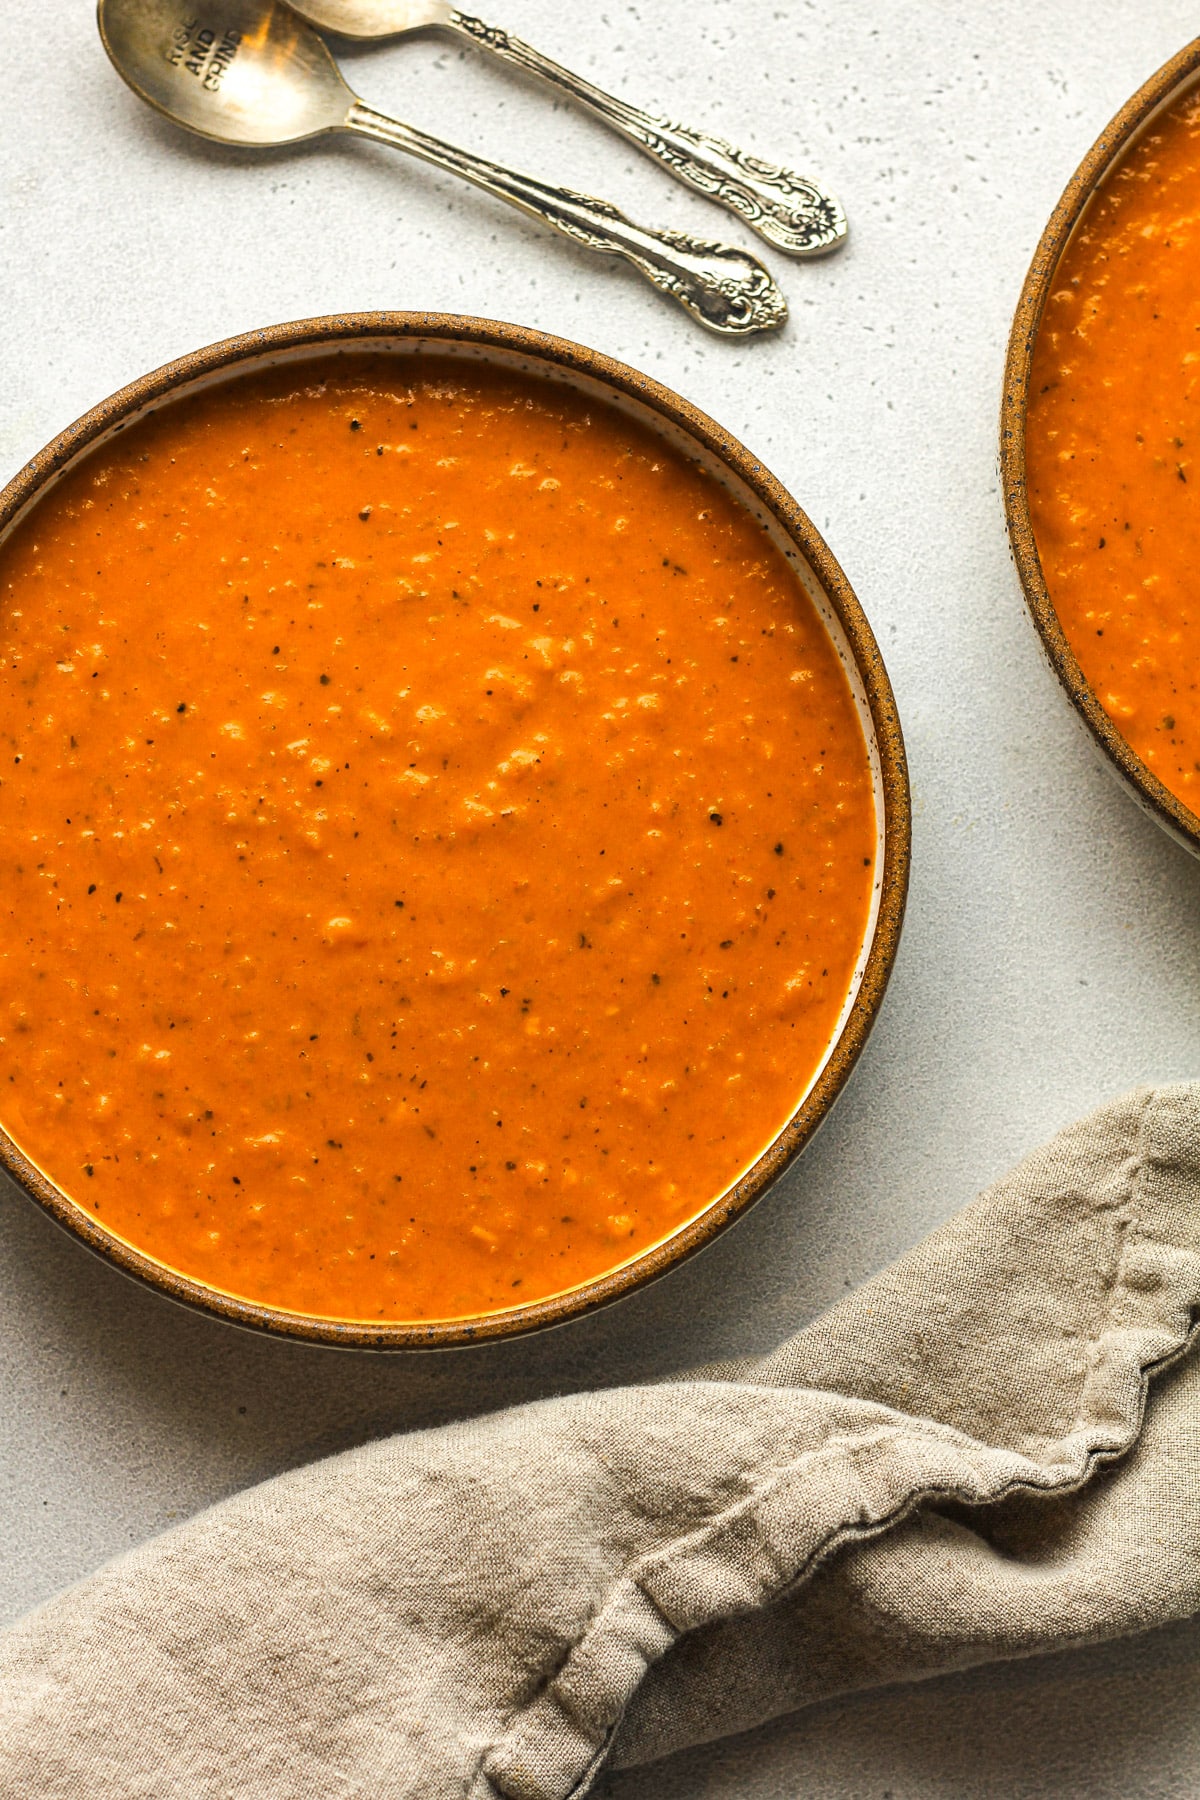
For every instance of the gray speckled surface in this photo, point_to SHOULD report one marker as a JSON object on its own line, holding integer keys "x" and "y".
{"x": 1052, "y": 951}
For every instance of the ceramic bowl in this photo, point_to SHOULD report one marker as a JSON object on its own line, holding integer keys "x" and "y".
{"x": 407, "y": 334}
{"x": 1161, "y": 91}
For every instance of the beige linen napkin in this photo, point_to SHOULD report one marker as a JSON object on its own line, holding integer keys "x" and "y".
{"x": 951, "y": 1465}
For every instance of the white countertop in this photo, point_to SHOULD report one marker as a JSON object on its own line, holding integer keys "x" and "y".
{"x": 1051, "y": 956}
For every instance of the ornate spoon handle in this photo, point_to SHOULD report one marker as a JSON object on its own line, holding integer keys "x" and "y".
{"x": 726, "y": 289}
{"x": 787, "y": 209}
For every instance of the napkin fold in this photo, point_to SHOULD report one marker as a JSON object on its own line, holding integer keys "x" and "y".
{"x": 960, "y": 1461}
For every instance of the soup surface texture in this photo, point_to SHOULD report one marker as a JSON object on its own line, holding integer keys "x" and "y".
{"x": 436, "y": 837}
{"x": 1112, "y": 446}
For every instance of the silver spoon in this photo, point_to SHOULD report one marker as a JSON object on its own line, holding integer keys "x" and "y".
{"x": 787, "y": 209}
{"x": 253, "y": 73}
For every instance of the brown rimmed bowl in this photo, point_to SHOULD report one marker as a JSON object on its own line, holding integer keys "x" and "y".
{"x": 520, "y": 349}
{"x": 1113, "y": 144}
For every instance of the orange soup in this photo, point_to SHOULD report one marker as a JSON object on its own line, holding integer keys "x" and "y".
{"x": 1111, "y": 443}
{"x": 436, "y": 838}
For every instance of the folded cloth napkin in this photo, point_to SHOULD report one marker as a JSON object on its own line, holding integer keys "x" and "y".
{"x": 951, "y": 1465}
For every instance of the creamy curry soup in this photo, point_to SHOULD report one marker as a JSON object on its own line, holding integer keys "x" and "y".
{"x": 436, "y": 838}
{"x": 1111, "y": 445}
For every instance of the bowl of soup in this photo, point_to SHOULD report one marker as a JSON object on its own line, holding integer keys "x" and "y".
{"x": 453, "y": 829}
{"x": 1099, "y": 444}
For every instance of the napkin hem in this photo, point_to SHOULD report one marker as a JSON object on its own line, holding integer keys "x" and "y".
{"x": 855, "y": 1487}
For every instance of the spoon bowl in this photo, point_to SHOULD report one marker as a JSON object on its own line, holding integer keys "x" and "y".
{"x": 262, "y": 77}
{"x": 370, "y": 19}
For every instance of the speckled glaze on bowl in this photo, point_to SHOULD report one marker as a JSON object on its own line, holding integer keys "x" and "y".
{"x": 1163, "y": 88}
{"x": 515, "y": 347}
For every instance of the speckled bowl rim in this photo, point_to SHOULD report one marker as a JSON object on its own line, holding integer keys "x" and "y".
{"x": 358, "y": 329}
{"x": 1162, "y": 89}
